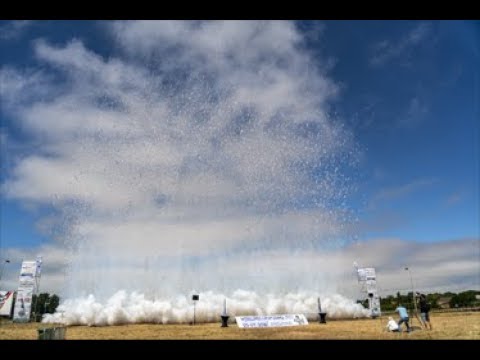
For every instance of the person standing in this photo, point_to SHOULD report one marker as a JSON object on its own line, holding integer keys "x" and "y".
{"x": 425, "y": 311}
{"x": 403, "y": 317}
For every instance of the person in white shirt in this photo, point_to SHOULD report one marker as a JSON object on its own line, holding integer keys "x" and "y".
{"x": 392, "y": 325}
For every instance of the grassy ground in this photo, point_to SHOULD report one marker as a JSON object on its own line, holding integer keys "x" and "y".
{"x": 445, "y": 326}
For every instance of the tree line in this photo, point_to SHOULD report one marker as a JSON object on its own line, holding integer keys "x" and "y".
{"x": 463, "y": 299}
{"x": 42, "y": 304}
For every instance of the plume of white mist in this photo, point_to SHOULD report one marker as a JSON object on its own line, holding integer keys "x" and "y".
{"x": 184, "y": 158}
{"x": 124, "y": 308}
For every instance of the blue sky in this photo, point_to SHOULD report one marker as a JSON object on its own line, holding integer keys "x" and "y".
{"x": 407, "y": 91}
{"x": 416, "y": 113}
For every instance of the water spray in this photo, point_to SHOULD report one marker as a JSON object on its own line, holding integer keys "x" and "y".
{"x": 176, "y": 164}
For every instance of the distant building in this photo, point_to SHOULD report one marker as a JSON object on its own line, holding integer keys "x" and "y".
{"x": 444, "y": 302}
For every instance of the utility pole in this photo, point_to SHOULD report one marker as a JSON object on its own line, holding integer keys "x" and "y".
{"x": 413, "y": 296}
{"x": 413, "y": 289}
{"x": 195, "y": 298}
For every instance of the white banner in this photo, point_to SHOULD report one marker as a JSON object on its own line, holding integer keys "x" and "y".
{"x": 271, "y": 320}
{"x": 23, "y": 305}
{"x": 26, "y": 288}
{"x": 375, "y": 306}
{"x": 6, "y": 302}
{"x": 371, "y": 286}
{"x": 26, "y": 282}
{"x": 29, "y": 269}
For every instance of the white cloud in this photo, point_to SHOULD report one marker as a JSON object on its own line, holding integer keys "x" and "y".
{"x": 19, "y": 87}
{"x": 196, "y": 142}
{"x": 200, "y": 157}
{"x": 399, "y": 191}
{"x": 14, "y": 29}
{"x": 415, "y": 114}
{"x": 385, "y": 51}
{"x": 443, "y": 266}
{"x": 455, "y": 198}
{"x": 256, "y": 283}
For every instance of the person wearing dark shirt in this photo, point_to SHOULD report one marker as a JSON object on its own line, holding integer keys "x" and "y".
{"x": 424, "y": 311}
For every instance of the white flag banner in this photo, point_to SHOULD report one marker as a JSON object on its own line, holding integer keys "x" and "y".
{"x": 26, "y": 288}
{"x": 370, "y": 274}
{"x": 271, "y": 320}
{"x": 6, "y": 302}
{"x": 29, "y": 268}
{"x": 361, "y": 274}
{"x": 23, "y": 305}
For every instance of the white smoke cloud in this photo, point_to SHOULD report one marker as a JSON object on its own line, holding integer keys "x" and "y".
{"x": 123, "y": 308}
{"x": 437, "y": 267}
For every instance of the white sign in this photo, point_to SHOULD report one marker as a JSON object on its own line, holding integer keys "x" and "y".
{"x": 365, "y": 274}
{"x": 23, "y": 305}
{"x": 271, "y": 320}
{"x": 29, "y": 269}
{"x": 6, "y": 302}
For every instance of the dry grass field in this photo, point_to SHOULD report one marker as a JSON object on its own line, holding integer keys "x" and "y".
{"x": 465, "y": 325}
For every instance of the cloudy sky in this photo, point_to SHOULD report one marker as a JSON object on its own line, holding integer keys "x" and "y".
{"x": 240, "y": 154}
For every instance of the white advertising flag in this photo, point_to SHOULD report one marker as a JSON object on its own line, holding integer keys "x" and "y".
{"x": 23, "y": 305}
{"x": 26, "y": 288}
{"x": 6, "y": 302}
